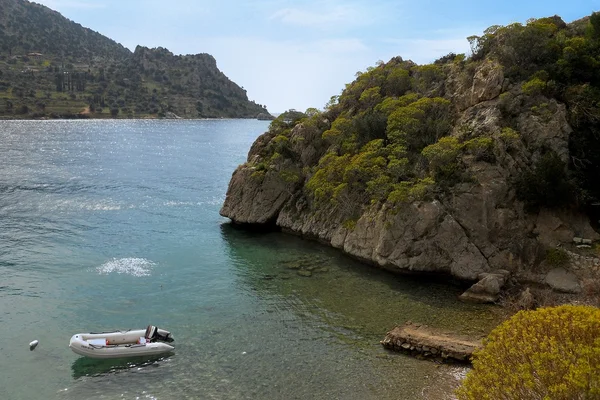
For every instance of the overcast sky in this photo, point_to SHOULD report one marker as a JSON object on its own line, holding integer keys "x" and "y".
{"x": 297, "y": 54}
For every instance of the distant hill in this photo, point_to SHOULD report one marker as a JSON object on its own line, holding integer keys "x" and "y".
{"x": 30, "y": 27}
{"x": 51, "y": 66}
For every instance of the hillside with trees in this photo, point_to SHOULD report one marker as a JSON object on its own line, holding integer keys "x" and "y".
{"x": 473, "y": 166}
{"x": 482, "y": 170}
{"x": 53, "y": 67}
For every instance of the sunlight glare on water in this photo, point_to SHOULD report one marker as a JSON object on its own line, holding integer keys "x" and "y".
{"x": 130, "y": 266}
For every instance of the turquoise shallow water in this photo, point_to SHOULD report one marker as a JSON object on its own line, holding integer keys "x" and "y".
{"x": 108, "y": 225}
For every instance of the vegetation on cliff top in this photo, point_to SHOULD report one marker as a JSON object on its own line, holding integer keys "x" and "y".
{"x": 393, "y": 136}
{"x": 53, "y": 67}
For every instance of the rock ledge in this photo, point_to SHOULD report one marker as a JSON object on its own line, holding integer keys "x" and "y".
{"x": 420, "y": 339}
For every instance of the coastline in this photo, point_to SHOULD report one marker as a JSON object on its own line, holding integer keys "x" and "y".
{"x": 110, "y": 118}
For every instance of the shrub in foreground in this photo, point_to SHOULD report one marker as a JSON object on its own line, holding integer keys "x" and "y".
{"x": 550, "y": 353}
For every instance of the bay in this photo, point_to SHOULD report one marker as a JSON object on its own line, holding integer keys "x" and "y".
{"x": 114, "y": 225}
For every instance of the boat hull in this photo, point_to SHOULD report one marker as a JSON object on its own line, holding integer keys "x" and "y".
{"x": 117, "y": 345}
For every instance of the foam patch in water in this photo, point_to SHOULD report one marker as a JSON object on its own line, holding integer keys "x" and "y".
{"x": 129, "y": 266}
{"x": 177, "y": 203}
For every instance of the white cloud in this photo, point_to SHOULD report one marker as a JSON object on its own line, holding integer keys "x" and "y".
{"x": 324, "y": 17}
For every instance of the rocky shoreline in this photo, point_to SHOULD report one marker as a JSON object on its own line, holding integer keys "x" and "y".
{"x": 477, "y": 232}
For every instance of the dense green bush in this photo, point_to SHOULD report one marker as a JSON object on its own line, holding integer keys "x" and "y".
{"x": 370, "y": 125}
{"x": 420, "y": 124}
{"x": 549, "y": 353}
{"x": 584, "y": 142}
{"x": 523, "y": 49}
{"x": 443, "y": 152}
{"x": 547, "y": 185}
{"x": 533, "y": 87}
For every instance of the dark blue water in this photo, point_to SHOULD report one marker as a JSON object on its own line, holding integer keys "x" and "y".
{"x": 114, "y": 225}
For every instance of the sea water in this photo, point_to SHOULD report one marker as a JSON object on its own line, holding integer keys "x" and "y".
{"x": 110, "y": 225}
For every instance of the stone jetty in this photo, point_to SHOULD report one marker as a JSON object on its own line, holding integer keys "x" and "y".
{"x": 420, "y": 339}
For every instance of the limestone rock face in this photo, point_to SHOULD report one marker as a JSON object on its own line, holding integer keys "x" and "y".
{"x": 487, "y": 83}
{"x": 423, "y": 238}
{"x": 477, "y": 226}
{"x": 255, "y": 196}
{"x": 258, "y": 198}
{"x": 549, "y": 130}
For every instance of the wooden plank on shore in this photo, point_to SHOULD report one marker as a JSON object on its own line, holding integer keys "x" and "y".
{"x": 421, "y": 339}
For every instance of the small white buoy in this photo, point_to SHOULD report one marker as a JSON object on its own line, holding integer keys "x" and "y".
{"x": 33, "y": 344}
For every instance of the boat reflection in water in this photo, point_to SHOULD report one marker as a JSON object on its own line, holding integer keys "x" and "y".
{"x": 85, "y": 366}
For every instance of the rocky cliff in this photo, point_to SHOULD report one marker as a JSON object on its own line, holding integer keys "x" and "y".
{"x": 197, "y": 88}
{"x": 462, "y": 167}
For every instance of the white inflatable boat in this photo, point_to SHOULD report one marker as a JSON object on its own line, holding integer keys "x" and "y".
{"x": 133, "y": 343}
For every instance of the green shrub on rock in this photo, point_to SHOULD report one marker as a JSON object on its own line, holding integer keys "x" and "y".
{"x": 534, "y": 87}
{"x": 445, "y": 151}
{"x": 481, "y": 148}
{"x": 408, "y": 191}
{"x": 329, "y": 174}
{"x": 550, "y": 353}
{"x": 420, "y": 124}
{"x": 548, "y": 185}
{"x": 510, "y": 137}
{"x": 443, "y": 161}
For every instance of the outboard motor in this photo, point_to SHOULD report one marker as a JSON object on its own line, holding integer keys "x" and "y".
{"x": 164, "y": 336}
{"x": 154, "y": 334}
